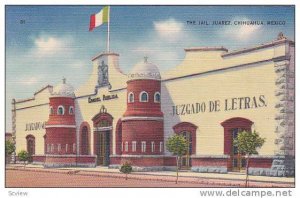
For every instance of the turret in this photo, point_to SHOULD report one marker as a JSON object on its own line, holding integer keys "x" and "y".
{"x": 60, "y": 127}
{"x": 142, "y": 123}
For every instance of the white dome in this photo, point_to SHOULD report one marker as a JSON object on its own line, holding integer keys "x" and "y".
{"x": 144, "y": 70}
{"x": 63, "y": 90}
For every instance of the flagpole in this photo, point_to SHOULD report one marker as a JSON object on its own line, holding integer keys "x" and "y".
{"x": 108, "y": 21}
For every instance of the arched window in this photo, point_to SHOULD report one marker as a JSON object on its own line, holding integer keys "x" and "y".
{"x": 60, "y": 110}
{"x": 143, "y": 96}
{"x": 130, "y": 97}
{"x": 157, "y": 97}
{"x": 71, "y": 110}
{"x": 51, "y": 111}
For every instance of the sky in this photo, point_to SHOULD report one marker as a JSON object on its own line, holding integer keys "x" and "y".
{"x": 43, "y": 44}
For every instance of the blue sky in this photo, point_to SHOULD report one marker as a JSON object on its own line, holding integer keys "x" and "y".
{"x": 54, "y": 41}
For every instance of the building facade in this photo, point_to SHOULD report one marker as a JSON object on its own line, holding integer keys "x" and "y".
{"x": 209, "y": 98}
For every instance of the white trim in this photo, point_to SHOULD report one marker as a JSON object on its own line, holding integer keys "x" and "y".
{"x": 143, "y": 146}
{"x": 128, "y": 97}
{"x": 154, "y": 99}
{"x": 141, "y": 156}
{"x": 61, "y": 106}
{"x": 103, "y": 128}
{"x": 133, "y": 146}
{"x": 141, "y": 118}
{"x": 60, "y": 126}
{"x": 210, "y": 156}
{"x": 161, "y": 144}
{"x": 140, "y": 97}
{"x": 126, "y": 146}
{"x": 152, "y": 146}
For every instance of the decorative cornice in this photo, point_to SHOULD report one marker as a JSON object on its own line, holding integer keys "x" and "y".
{"x": 60, "y": 126}
{"x": 210, "y": 156}
{"x": 266, "y": 45}
{"x": 103, "y": 128}
{"x": 142, "y": 118}
{"x": 139, "y": 156}
{"x": 196, "y": 49}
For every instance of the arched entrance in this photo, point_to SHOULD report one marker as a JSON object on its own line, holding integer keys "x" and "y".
{"x": 188, "y": 130}
{"x": 84, "y": 139}
{"x": 102, "y": 136}
{"x": 232, "y": 127}
{"x": 30, "y": 139}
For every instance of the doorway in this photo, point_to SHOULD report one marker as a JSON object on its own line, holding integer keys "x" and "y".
{"x": 102, "y": 147}
{"x": 30, "y": 146}
{"x": 186, "y": 159}
{"x": 238, "y": 160}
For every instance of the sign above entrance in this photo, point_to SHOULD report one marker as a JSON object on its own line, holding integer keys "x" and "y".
{"x": 104, "y": 97}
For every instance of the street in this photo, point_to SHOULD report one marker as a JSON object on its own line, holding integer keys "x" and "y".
{"x": 19, "y": 178}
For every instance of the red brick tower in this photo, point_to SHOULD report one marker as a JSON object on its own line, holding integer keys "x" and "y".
{"x": 61, "y": 128}
{"x": 142, "y": 123}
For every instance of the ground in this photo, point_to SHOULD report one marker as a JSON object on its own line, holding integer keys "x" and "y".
{"x": 37, "y": 176}
{"x": 17, "y": 178}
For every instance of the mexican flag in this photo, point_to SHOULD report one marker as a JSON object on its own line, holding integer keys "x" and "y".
{"x": 99, "y": 18}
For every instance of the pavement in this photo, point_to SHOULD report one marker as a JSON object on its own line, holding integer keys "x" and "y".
{"x": 232, "y": 179}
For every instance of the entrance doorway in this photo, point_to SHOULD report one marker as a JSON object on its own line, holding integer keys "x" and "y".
{"x": 186, "y": 159}
{"x": 30, "y": 146}
{"x": 238, "y": 161}
{"x": 102, "y": 123}
{"x": 102, "y": 147}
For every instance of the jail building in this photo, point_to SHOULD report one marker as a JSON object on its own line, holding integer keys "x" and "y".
{"x": 209, "y": 98}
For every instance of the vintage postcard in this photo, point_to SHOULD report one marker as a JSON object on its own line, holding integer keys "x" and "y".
{"x": 150, "y": 96}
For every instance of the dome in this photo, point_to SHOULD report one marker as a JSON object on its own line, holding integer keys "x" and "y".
{"x": 63, "y": 90}
{"x": 144, "y": 70}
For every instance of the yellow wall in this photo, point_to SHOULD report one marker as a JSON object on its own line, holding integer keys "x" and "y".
{"x": 247, "y": 82}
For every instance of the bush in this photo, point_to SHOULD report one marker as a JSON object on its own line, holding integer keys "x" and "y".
{"x": 126, "y": 168}
{"x": 23, "y": 156}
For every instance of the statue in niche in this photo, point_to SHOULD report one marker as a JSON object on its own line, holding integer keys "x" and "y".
{"x": 103, "y": 75}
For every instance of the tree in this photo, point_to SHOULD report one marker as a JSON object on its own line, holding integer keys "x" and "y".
{"x": 9, "y": 149}
{"x": 23, "y": 156}
{"x": 247, "y": 143}
{"x": 177, "y": 145}
{"x": 126, "y": 168}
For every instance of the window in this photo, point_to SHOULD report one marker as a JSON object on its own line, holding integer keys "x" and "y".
{"x": 143, "y": 147}
{"x": 161, "y": 144}
{"x": 152, "y": 147}
{"x": 126, "y": 146}
{"x": 52, "y": 148}
{"x": 157, "y": 97}
{"x": 59, "y": 147}
{"x": 67, "y": 148}
{"x": 122, "y": 146}
{"x": 48, "y": 148}
{"x": 143, "y": 96}
{"x": 71, "y": 110}
{"x": 51, "y": 111}
{"x": 60, "y": 110}
{"x": 133, "y": 146}
{"x": 130, "y": 97}
{"x": 74, "y": 148}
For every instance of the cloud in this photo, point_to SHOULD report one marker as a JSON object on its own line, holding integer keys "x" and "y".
{"x": 170, "y": 29}
{"x": 29, "y": 81}
{"x": 49, "y": 46}
{"x": 241, "y": 32}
